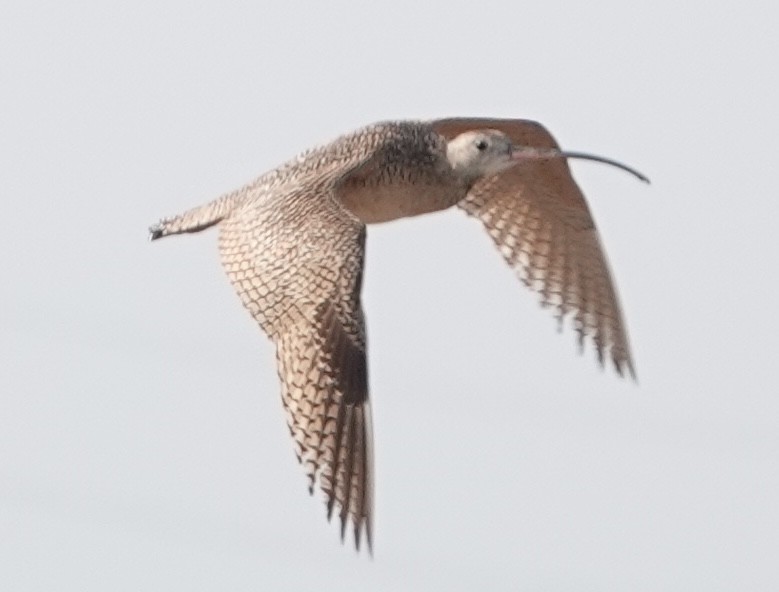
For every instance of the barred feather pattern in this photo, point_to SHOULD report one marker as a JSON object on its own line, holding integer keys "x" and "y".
{"x": 296, "y": 262}
{"x": 293, "y": 249}
{"x": 539, "y": 220}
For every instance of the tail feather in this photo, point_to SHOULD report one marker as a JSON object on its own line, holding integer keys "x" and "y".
{"x": 198, "y": 218}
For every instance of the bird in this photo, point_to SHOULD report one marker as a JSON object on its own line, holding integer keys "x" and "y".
{"x": 292, "y": 242}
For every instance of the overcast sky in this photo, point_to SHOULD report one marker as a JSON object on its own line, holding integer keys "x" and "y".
{"x": 142, "y": 441}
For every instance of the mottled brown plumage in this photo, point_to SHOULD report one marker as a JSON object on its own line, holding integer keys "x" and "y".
{"x": 293, "y": 243}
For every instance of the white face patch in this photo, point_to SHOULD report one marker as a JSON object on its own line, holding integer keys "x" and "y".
{"x": 479, "y": 153}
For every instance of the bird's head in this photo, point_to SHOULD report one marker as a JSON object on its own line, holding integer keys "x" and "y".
{"x": 483, "y": 153}
{"x": 480, "y": 153}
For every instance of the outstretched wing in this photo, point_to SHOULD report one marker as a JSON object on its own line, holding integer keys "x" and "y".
{"x": 296, "y": 261}
{"x": 540, "y": 222}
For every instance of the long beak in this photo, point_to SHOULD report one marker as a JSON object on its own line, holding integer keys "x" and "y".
{"x": 521, "y": 153}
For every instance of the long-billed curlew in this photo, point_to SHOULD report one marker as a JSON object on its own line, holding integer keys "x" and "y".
{"x": 293, "y": 242}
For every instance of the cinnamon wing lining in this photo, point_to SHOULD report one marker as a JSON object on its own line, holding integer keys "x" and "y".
{"x": 539, "y": 220}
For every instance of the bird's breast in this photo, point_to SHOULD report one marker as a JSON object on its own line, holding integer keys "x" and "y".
{"x": 381, "y": 202}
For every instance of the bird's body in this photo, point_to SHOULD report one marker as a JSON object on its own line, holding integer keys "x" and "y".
{"x": 292, "y": 242}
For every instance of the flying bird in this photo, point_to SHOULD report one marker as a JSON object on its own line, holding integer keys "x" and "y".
{"x": 293, "y": 244}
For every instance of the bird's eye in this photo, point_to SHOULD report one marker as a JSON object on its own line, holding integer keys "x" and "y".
{"x": 481, "y": 145}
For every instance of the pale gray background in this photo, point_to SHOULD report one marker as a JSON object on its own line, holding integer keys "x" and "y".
{"x": 142, "y": 445}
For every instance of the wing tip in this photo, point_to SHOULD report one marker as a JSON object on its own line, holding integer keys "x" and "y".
{"x": 624, "y": 367}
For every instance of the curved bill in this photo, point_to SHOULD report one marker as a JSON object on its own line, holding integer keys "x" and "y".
{"x": 521, "y": 153}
